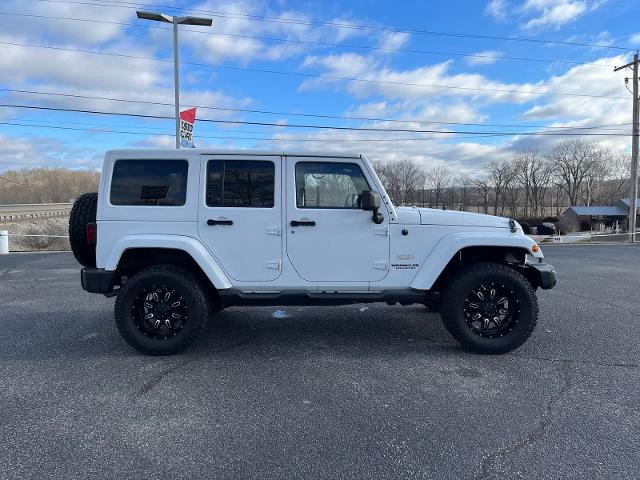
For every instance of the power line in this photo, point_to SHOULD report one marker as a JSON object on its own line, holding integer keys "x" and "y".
{"x": 269, "y": 112}
{"x": 110, "y": 129}
{"x": 319, "y": 127}
{"x": 324, "y": 77}
{"x": 325, "y": 44}
{"x": 277, "y": 140}
{"x": 349, "y": 26}
{"x": 167, "y": 134}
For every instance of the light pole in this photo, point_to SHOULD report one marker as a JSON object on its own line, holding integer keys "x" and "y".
{"x": 161, "y": 17}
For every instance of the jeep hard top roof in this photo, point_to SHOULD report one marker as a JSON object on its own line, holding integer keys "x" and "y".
{"x": 212, "y": 151}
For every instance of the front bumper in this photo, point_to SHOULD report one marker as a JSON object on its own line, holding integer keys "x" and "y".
{"x": 96, "y": 280}
{"x": 544, "y": 274}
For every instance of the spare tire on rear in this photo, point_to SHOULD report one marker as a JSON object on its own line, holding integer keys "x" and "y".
{"x": 82, "y": 213}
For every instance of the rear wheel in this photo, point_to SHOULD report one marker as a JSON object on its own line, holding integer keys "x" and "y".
{"x": 162, "y": 310}
{"x": 489, "y": 308}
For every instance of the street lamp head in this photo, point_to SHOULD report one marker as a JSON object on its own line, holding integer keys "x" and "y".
{"x": 158, "y": 17}
{"x": 161, "y": 17}
{"x": 204, "y": 22}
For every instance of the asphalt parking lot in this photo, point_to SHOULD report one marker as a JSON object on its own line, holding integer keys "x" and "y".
{"x": 342, "y": 392}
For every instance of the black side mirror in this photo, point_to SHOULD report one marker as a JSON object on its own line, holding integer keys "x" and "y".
{"x": 370, "y": 201}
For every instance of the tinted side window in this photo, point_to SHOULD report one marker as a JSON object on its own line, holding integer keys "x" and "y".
{"x": 149, "y": 182}
{"x": 240, "y": 183}
{"x": 329, "y": 185}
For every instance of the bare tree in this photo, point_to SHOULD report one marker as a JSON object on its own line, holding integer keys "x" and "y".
{"x": 465, "y": 184}
{"x": 411, "y": 178}
{"x": 617, "y": 180}
{"x": 402, "y": 179}
{"x": 45, "y": 185}
{"x": 573, "y": 162}
{"x": 512, "y": 196}
{"x": 500, "y": 176}
{"x": 438, "y": 180}
{"x": 484, "y": 188}
{"x": 533, "y": 173}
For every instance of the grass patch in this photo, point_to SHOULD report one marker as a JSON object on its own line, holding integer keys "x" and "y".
{"x": 19, "y": 231}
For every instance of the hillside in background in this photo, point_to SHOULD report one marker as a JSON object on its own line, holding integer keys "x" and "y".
{"x": 46, "y": 185}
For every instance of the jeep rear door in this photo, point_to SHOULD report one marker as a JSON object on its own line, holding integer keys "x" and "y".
{"x": 329, "y": 238}
{"x": 240, "y": 214}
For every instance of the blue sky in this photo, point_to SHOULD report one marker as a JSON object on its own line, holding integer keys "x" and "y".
{"x": 409, "y": 59}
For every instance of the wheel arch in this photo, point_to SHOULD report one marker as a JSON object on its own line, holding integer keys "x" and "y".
{"x": 132, "y": 254}
{"x": 452, "y": 254}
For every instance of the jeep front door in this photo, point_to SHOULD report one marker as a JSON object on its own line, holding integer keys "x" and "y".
{"x": 329, "y": 238}
{"x": 241, "y": 215}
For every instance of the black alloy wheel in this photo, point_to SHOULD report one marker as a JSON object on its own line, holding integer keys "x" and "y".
{"x": 162, "y": 310}
{"x": 489, "y": 308}
{"x": 159, "y": 312}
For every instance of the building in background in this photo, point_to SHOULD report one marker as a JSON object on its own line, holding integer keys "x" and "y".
{"x": 597, "y": 218}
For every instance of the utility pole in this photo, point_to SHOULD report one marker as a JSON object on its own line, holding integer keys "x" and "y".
{"x": 176, "y": 80}
{"x": 161, "y": 17}
{"x": 635, "y": 131}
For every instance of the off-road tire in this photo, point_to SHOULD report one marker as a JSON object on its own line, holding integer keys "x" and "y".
{"x": 83, "y": 212}
{"x": 458, "y": 290}
{"x": 170, "y": 276}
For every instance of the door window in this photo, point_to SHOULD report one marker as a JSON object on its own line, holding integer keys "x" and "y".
{"x": 329, "y": 185}
{"x": 240, "y": 183}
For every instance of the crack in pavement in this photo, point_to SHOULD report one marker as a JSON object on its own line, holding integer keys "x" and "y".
{"x": 15, "y": 288}
{"x": 152, "y": 383}
{"x": 486, "y": 467}
{"x": 16, "y": 293}
{"x": 576, "y": 362}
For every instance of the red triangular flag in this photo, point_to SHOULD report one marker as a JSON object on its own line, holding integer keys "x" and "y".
{"x": 188, "y": 116}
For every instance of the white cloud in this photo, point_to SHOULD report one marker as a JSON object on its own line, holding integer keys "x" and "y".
{"x": 228, "y": 39}
{"x": 462, "y": 155}
{"x": 430, "y": 81}
{"x": 608, "y": 114}
{"x": 486, "y": 57}
{"x": 554, "y": 13}
{"x": 23, "y": 152}
{"x": 74, "y": 72}
{"x": 601, "y": 39}
{"x": 89, "y": 33}
{"x": 635, "y": 39}
{"x": 419, "y": 113}
{"x": 465, "y": 154}
{"x": 393, "y": 40}
{"x": 497, "y": 9}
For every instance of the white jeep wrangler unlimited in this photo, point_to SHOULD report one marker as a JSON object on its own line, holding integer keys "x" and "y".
{"x": 177, "y": 235}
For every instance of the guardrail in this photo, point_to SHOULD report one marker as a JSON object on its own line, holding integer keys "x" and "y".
{"x": 4, "y": 240}
{"x": 586, "y": 237}
{"x": 33, "y": 210}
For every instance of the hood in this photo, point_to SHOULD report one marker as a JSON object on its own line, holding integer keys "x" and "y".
{"x": 430, "y": 216}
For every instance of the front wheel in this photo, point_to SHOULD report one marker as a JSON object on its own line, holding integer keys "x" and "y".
{"x": 489, "y": 308}
{"x": 161, "y": 310}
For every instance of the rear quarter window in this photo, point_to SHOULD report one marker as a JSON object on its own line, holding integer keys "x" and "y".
{"x": 149, "y": 182}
